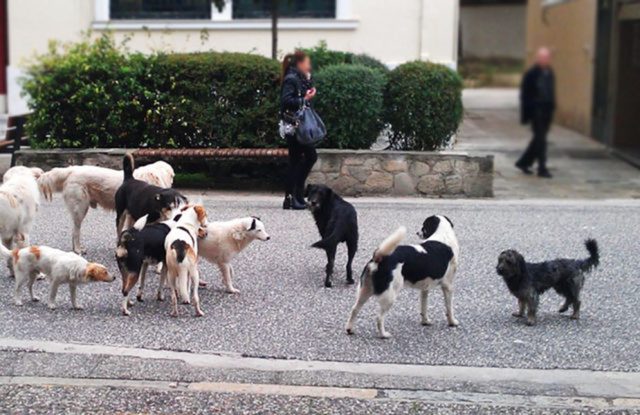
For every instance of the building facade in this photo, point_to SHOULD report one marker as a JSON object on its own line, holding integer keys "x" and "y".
{"x": 394, "y": 32}
{"x": 596, "y": 47}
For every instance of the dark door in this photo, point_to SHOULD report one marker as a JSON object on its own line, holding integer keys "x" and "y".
{"x": 3, "y": 47}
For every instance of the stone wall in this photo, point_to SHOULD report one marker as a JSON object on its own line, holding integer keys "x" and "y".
{"x": 350, "y": 173}
{"x": 449, "y": 174}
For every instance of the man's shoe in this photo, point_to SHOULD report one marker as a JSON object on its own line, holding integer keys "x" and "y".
{"x": 524, "y": 169}
{"x": 545, "y": 174}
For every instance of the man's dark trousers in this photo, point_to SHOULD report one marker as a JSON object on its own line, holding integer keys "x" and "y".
{"x": 537, "y": 149}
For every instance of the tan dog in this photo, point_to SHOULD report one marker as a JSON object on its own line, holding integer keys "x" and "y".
{"x": 83, "y": 187}
{"x": 59, "y": 266}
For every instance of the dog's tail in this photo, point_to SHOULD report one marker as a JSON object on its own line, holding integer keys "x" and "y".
{"x": 594, "y": 256}
{"x": 128, "y": 165}
{"x": 390, "y": 244}
{"x": 53, "y": 181}
{"x": 181, "y": 249}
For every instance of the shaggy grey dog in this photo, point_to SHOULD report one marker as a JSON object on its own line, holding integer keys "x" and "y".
{"x": 527, "y": 281}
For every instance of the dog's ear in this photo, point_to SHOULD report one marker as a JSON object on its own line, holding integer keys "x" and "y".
{"x": 253, "y": 225}
{"x": 140, "y": 223}
{"x": 448, "y": 220}
{"x": 430, "y": 226}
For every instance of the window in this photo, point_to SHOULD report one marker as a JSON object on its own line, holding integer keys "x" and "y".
{"x": 260, "y": 9}
{"x": 160, "y": 9}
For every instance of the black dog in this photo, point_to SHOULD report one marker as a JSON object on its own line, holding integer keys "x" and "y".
{"x": 337, "y": 222}
{"x": 136, "y": 198}
{"x": 527, "y": 281}
{"x": 138, "y": 247}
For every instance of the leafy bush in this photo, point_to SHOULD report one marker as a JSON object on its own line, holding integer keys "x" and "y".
{"x": 350, "y": 102}
{"x": 321, "y": 57}
{"x": 370, "y": 62}
{"x": 88, "y": 95}
{"x": 92, "y": 94}
{"x": 216, "y": 99}
{"x": 423, "y": 105}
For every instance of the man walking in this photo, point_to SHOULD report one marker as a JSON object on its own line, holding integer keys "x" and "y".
{"x": 537, "y": 100}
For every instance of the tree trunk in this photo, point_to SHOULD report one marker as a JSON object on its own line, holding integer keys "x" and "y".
{"x": 274, "y": 29}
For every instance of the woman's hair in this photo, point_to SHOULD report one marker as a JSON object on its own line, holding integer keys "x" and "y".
{"x": 291, "y": 60}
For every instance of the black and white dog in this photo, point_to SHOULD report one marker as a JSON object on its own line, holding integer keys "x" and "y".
{"x": 337, "y": 222}
{"x": 526, "y": 280}
{"x": 431, "y": 263}
{"x": 138, "y": 247}
{"x": 136, "y": 198}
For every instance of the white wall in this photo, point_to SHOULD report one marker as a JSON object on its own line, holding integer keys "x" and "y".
{"x": 392, "y": 31}
{"x": 494, "y": 31}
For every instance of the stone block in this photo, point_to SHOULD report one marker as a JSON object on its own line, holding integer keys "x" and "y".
{"x": 432, "y": 185}
{"x": 379, "y": 182}
{"x": 395, "y": 165}
{"x": 360, "y": 173}
{"x": 419, "y": 168}
{"x": 403, "y": 185}
{"x": 453, "y": 184}
{"x": 443, "y": 167}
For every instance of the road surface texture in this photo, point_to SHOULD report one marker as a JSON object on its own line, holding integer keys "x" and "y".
{"x": 284, "y": 312}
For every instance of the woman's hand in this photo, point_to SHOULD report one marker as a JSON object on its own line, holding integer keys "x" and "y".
{"x": 310, "y": 94}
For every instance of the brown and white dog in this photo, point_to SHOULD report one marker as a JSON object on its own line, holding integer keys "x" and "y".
{"x": 19, "y": 201}
{"x": 60, "y": 267}
{"x": 83, "y": 187}
{"x": 225, "y": 240}
{"x": 182, "y": 257}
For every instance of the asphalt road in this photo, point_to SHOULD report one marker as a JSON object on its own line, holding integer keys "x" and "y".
{"x": 284, "y": 311}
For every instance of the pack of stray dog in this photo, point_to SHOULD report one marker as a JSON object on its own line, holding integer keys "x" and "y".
{"x": 157, "y": 225}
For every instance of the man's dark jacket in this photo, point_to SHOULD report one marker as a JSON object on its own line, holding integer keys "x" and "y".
{"x": 534, "y": 95}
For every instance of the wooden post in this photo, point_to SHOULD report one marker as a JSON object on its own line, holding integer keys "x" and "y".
{"x": 274, "y": 28}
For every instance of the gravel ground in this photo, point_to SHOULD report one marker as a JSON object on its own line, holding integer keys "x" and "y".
{"x": 69, "y": 400}
{"x": 284, "y": 311}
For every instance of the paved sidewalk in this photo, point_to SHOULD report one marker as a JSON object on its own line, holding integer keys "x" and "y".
{"x": 582, "y": 167}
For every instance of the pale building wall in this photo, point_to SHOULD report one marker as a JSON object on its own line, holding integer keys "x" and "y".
{"x": 570, "y": 32}
{"x": 493, "y": 30}
{"x": 394, "y": 32}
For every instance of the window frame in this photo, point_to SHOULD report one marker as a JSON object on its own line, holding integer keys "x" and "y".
{"x": 224, "y": 20}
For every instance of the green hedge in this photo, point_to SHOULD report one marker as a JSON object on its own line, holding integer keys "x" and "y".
{"x": 350, "y": 102}
{"x": 321, "y": 57}
{"x": 423, "y": 105}
{"x": 94, "y": 95}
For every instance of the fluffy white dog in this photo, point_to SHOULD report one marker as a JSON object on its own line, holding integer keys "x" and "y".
{"x": 61, "y": 268}
{"x": 19, "y": 200}
{"x": 83, "y": 187}
{"x": 225, "y": 240}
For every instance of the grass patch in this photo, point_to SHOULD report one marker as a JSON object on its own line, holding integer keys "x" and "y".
{"x": 491, "y": 72}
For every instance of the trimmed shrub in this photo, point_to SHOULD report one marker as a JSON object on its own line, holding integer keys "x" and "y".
{"x": 87, "y": 95}
{"x": 216, "y": 100}
{"x": 92, "y": 94}
{"x": 321, "y": 57}
{"x": 423, "y": 105}
{"x": 350, "y": 102}
{"x": 370, "y": 62}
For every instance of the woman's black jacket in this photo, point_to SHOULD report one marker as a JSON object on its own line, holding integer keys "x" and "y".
{"x": 294, "y": 88}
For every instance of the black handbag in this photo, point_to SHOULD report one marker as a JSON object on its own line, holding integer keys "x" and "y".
{"x": 310, "y": 129}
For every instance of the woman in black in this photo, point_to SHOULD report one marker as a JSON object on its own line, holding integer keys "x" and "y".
{"x": 297, "y": 90}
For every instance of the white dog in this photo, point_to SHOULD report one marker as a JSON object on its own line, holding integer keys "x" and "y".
{"x": 182, "y": 257}
{"x": 61, "y": 268}
{"x": 225, "y": 240}
{"x": 19, "y": 200}
{"x": 83, "y": 187}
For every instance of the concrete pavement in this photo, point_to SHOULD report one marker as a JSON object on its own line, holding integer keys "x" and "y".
{"x": 582, "y": 167}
